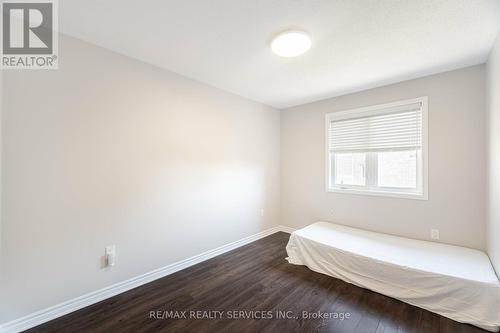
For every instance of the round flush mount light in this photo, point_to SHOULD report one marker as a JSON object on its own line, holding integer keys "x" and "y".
{"x": 291, "y": 43}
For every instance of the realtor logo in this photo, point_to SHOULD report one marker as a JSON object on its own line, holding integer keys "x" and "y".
{"x": 29, "y": 34}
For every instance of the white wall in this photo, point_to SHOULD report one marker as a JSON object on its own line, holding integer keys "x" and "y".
{"x": 493, "y": 82}
{"x": 457, "y": 163}
{"x": 1, "y": 96}
{"x": 109, "y": 150}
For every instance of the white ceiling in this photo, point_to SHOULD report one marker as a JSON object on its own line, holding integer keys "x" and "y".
{"x": 357, "y": 44}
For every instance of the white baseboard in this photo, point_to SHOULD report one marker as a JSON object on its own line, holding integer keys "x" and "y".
{"x": 64, "y": 308}
{"x": 286, "y": 229}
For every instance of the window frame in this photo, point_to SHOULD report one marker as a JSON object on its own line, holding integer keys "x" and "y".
{"x": 377, "y": 191}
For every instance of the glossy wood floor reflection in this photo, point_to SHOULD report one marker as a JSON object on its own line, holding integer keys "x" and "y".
{"x": 254, "y": 279}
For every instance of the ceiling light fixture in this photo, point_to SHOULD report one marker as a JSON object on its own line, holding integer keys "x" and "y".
{"x": 291, "y": 43}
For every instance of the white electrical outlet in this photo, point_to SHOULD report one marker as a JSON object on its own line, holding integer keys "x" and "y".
{"x": 435, "y": 234}
{"x": 110, "y": 255}
{"x": 262, "y": 212}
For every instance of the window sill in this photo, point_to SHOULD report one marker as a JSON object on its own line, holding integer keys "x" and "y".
{"x": 390, "y": 194}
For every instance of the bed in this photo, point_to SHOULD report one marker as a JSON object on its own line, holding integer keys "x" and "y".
{"x": 455, "y": 282}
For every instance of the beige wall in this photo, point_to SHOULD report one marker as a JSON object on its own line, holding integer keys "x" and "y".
{"x": 493, "y": 82}
{"x": 457, "y": 163}
{"x": 109, "y": 150}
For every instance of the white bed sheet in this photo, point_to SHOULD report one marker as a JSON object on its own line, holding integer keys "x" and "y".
{"x": 456, "y": 282}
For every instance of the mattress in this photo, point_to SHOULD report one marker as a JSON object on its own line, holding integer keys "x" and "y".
{"x": 455, "y": 282}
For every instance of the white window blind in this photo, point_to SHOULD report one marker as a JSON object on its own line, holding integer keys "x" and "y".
{"x": 394, "y": 128}
{"x": 379, "y": 150}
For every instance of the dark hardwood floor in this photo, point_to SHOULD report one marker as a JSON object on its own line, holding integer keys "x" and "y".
{"x": 256, "y": 280}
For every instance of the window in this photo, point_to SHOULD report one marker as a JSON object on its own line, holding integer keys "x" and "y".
{"x": 379, "y": 150}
